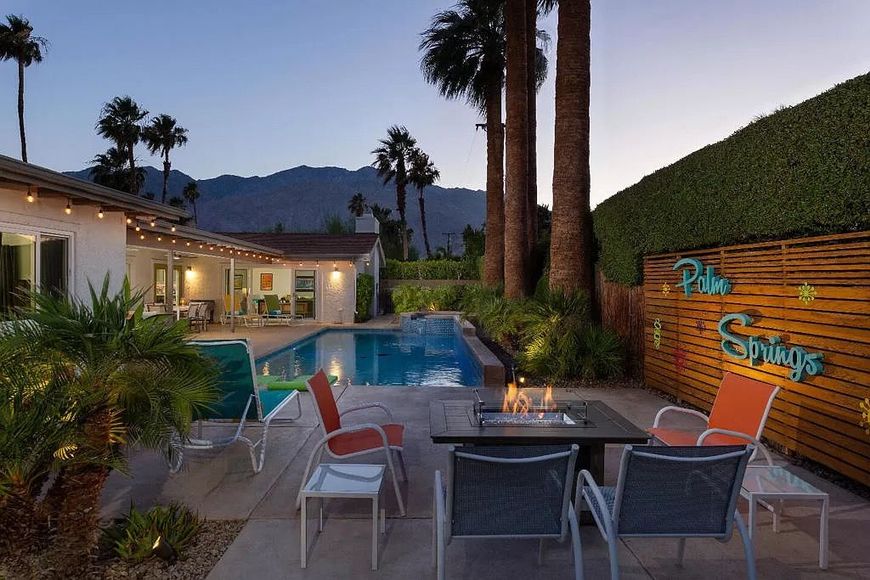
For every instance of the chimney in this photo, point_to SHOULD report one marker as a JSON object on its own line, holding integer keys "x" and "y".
{"x": 368, "y": 224}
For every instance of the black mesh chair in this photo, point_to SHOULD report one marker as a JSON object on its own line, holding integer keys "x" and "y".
{"x": 670, "y": 492}
{"x": 480, "y": 501}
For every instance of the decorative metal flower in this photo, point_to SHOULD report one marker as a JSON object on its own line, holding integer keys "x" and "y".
{"x": 806, "y": 293}
{"x": 657, "y": 333}
{"x": 699, "y": 324}
{"x": 679, "y": 360}
{"x": 666, "y": 288}
{"x": 865, "y": 415}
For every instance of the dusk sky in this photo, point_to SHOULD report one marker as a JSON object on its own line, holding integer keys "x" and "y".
{"x": 267, "y": 85}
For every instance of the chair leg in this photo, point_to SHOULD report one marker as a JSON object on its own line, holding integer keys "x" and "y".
{"x": 395, "y": 481}
{"x": 681, "y": 551}
{"x": 311, "y": 460}
{"x": 401, "y": 457}
{"x": 747, "y": 546}
{"x": 612, "y": 546}
{"x": 576, "y": 547}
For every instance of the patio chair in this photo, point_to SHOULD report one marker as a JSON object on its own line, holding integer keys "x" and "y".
{"x": 242, "y": 401}
{"x": 670, "y": 492}
{"x": 273, "y": 309}
{"x": 354, "y": 440}
{"x": 197, "y": 316}
{"x": 738, "y": 416}
{"x": 506, "y": 492}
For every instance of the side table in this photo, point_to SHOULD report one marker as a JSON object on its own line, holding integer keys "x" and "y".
{"x": 344, "y": 480}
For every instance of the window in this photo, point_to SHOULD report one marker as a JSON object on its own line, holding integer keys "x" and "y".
{"x": 29, "y": 261}
{"x": 160, "y": 283}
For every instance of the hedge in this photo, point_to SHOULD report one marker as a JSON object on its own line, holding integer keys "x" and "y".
{"x": 802, "y": 170}
{"x": 365, "y": 295}
{"x": 432, "y": 270}
{"x": 411, "y": 298}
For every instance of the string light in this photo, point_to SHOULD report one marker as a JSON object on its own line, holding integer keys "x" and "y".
{"x": 159, "y": 239}
{"x": 188, "y": 244}
{"x": 153, "y": 223}
{"x": 100, "y": 213}
{"x": 68, "y": 209}
{"x": 30, "y": 198}
{"x": 172, "y": 229}
{"x": 138, "y": 228}
{"x": 173, "y": 241}
{"x": 141, "y": 236}
{"x": 129, "y": 221}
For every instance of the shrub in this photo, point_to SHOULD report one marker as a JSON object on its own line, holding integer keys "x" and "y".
{"x": 432, "y": 270}
{"x": 802, "y": 170}
{"x": 365, "y": 293}
{"x": 133, "y": 538}
{"x": 412, "y": 298}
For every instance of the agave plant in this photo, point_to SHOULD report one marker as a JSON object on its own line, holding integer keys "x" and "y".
{"x": 133, "y": 538}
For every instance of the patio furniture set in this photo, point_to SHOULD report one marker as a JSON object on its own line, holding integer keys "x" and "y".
{"x": 272, "y": 312}
{"x": 682, "y": 486}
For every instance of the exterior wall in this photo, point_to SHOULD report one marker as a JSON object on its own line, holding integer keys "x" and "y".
{"x": 336, "y": 293}
{"x": 97, "y": 246}
{"x": 282, "y": 281}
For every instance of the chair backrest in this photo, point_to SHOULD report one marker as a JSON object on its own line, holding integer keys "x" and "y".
{"x": 237, "y": 304}
{"x": 196, "y": 310}
{"x": 679, "y": 491}
{"x": 273, "y": 306}
{"x": 155, "y": 307}
{"x": 510, "y": 490}
{"x": 237, "y": 381}
{"x": 742, "y": 404}
{"x": 324, "y": 402}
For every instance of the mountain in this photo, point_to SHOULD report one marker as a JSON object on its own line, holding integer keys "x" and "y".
{"x": 302, "y": 197}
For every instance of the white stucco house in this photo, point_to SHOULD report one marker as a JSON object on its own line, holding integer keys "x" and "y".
{"x": 59, "y": 233}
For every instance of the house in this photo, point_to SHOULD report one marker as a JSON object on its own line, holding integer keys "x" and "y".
{"x": 60, "y": 233}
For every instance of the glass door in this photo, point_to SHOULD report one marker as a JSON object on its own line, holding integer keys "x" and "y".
{"x": 160, "y": 296}
{"x": 17, "y": 270}
{"x": 304, "y": 293}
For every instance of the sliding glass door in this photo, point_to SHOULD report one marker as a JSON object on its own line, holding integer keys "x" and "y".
{"x": 31, "y": 261}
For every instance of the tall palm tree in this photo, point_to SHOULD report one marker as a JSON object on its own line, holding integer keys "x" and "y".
{"x": 119, "y": 122}
{"x": 571, "y": 265}
{"x": 357, "y": 205}
{"x": 191, "y": 193}
{"x": 161, "y": 136}
{"x": 392, "y": 160}
{"x": 464, "y": 56}
{"x": 422, "y": 174}
{"x": 110, "y": 169}
{"x": 18, "y": 43}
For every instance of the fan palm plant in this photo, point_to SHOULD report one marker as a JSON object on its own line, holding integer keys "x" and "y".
{"x": 120, "y": 122}
{"x": 18, "y": 43}
{"x": 161, "y": 136}
{"x": 357, "y": 205}
{"x": 392, "y": 160}
{"x": 110, "y": 169}
{"x": 422, "y": 174}
{"x": 191, "y": 193}
{"x": 133, "y": 381}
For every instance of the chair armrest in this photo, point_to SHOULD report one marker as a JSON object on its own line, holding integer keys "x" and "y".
{"x": 380, "y": 406}
{"x": 664, "y": 410}
{"x": 752, "y": 440}
{"x": 585, "y": 479}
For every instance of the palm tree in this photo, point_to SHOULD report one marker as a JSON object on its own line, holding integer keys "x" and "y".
{"x": 422, "y": 174}
{"x": 120, "y": 123}
{"x": 110, "y": 169}
{"x": 392, "y": 160}
{"x": 464, "y": 56}
{"x": 571, "y": 235}
{"x": 191, "y": 193}
{"x": 357, "y": 205}
{"x": 161, "y": 136}
{"x": 18, "y": 43}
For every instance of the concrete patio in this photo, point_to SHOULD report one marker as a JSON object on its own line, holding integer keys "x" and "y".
{"x": 221, "y": 486}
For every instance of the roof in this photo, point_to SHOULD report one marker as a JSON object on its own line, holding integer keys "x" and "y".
{"x": 22, "y": 175}
{"x": 295, "y": 245}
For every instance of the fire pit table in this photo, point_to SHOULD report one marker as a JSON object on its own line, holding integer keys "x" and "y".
{"x": 589, "y": 424}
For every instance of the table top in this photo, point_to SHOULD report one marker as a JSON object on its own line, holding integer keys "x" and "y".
{"x": 774, "y": 480}
{"x": 453, "y": 421}
{"x": 345, "y": 480}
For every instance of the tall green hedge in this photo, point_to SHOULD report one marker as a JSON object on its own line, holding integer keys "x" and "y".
{"x": 802, "y": 170}
{"x": 365, "y": 295}
{"x": 432, "y": 270}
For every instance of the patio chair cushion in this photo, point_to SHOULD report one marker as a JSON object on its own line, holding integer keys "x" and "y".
{"x": 271, "y": 399}
{"x": 741, "y": 404}
{"x": 348, "y": 443}
{"x": 676, "y": 437}
{"x": 275, "y": 383}
{"x": 324, "y": 400}
{"x": 604, "y": 513}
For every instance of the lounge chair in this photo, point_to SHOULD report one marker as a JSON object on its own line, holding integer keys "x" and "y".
{"x": 738, "y": 416}
{"x": 243, "y": 401}
{"x": 354, "y": 440}
{"x": 670, "y": 492}
{"x": 506, "y": 492}
{"x": 273, "y": 309}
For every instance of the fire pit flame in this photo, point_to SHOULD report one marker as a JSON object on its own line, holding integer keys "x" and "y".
{"x": 520, "y": 402}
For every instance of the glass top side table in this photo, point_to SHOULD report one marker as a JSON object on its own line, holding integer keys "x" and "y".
{"x": 776, "y": 484}
{"x": 344, "y": 480}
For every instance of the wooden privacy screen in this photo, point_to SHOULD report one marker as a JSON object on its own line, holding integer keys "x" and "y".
{"x": 813, "y": 293}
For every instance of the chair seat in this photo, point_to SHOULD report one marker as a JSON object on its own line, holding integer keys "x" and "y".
{"x": 609, "y": 495}
{"x": 348, "y": 443}
{"x": 688, "y": 437}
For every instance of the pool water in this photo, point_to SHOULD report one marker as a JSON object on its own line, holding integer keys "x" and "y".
{"x": 378, "y": 357}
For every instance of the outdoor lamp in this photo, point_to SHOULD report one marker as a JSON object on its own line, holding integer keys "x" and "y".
{"x": 172, "y": 229}
{"x": 164, "y": 550}
{"x": 153, "y": 223}
{"x": 68, "y": 209}
{"x": 129, "y": 221}
{"x": 100, "y": 213}
{"x": 138, "y": 228}
{"x": 30, "y": 198}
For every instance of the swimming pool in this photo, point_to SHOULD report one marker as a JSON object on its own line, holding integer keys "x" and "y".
{"x": 434, "y": 357}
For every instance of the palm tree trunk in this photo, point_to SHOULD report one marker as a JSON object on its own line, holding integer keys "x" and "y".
{"x": 166, "y": 169}
{"x": 532, "y": 191}
{"x": 21, "y": 521}
{"x": 79, "y": 516}
{"x": 21, "y": 111}
{"x": 131, "y": 158}
{"x": 571, "y": 265}
{"x": 193, "y": 203}
{"x": 493, "y": 266}
{"x": 517, "y": 146}
{"x": 423, "y": 223}
{"x": 401, "y": 205}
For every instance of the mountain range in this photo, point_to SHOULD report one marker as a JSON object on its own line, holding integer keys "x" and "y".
{"x": 301, "y": 199}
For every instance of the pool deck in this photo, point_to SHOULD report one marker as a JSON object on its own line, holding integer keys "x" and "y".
{"x": 220, "y": 485}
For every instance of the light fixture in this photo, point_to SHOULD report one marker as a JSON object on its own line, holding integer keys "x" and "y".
{"x": 164, "y": 550}
{"x": 211, "y": 248}
{"x": 153, "y": 223}
{"x": 100, "y": 213}
{"x": 173, "y": 241}
{"x": 188, "y": 244}
{"x": 68, "y": 209}
{"x": 129, "y": 221}
{"x": 30, "y": 197}
{"x": 172, "y": 229}
{"x": 141, "y": 236}
{"x": 159, "y": 239}
{"x": 138, "y": 228}
{"x": 190, "y": 268}
{"x": 334, "y": 267}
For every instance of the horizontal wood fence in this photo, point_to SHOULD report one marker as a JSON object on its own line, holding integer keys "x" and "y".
{"x": 813, "y": 293}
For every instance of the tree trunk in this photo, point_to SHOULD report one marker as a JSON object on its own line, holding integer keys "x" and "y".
{"x": 21, "y": 111}
{"x": 167, "y": 167}
{"x": 493, "y": 266}
{"x": 193, "y": 203}
{"x": 571, "y": 265}
{"x": 21, "y": 521}
{"x": 517, "y": 146}
{"x": 423, "y": 224}
{"x": 532, "y": 192}
{"x": 400, "y": 203}
{"x": 78, "y": 518}
{"x": 133, "y": 188}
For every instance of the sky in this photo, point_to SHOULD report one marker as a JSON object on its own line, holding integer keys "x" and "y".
{"x": 281, "y": 83}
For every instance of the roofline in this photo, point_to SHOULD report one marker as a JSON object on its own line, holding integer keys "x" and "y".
{"x": 41, "y": 177}
{"x": 208, "y": 237}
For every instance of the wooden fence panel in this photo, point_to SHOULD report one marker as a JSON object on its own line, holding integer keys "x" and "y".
{"x": 621, "y": 309}
{"x": 819, "y": 416}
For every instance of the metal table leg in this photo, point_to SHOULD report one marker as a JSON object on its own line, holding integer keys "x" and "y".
{"x": 303, "y": 534}
{"x": 375, "y": 518}
{"x": 823, "y": 534}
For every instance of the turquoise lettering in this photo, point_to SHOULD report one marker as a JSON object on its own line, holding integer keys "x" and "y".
{"x": 707, "y": 280}
{"x": 729, "y": 340}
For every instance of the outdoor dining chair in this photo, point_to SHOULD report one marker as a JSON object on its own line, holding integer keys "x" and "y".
{"x": 483, "y": 486}
{"x": 738, "y": 416}
{"x": 342, "y": 442}
{"x": 243, "y": 400}
{"x": 670, "y": 492}
{"x": 197, "y": 316}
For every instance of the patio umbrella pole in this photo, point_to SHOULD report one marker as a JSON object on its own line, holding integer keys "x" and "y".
{"x": 232, "y": 294}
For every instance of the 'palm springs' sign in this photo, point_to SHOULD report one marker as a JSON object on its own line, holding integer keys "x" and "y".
{"x": 704, "y": 279}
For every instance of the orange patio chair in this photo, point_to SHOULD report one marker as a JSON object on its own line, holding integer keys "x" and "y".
{"x": 738, "y": 415}
{"x": 354, "y": 440}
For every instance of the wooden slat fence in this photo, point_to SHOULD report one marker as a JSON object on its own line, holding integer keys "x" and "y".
{"x": 818, "y": 417}
{"x": 621, "y": 310}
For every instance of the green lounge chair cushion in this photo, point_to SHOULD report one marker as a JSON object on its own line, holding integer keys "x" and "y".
{"x": 275, "y": 383}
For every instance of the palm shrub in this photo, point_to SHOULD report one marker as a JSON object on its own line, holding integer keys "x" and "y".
{"x": 133, "y": 538}
{"x": 412, "y": 298}
{"x": 129, "y": 380}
